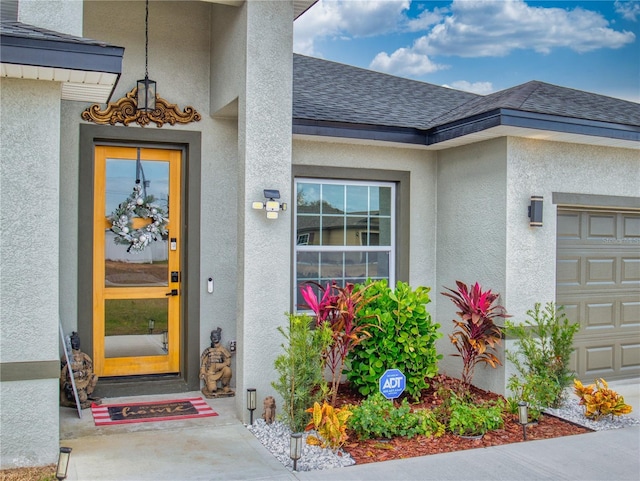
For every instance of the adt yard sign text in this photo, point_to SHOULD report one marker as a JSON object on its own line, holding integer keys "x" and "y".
{"x": 392, "y": 383}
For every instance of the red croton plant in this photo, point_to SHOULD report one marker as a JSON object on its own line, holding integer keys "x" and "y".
{"x": 475, "y": 336}
{"x": 339, "y": 307}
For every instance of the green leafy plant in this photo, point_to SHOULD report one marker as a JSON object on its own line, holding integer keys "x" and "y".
{"x": 598, "y": 400}
{"x": 378, "y": 417}
{"x": 468, "y": 419}
{"x": 536, "y": 390}
{"x": 405, "y": 339}
{"x": 331, "y": 425}
{"x": 301, "y": 380}
{"x": 544, "y": 346}
{"x": 338, "y": 309}
{"x": 476, "y": 335}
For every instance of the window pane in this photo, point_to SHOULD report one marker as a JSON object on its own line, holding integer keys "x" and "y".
{"x": 308, "y": 230}
{"x": 356, "y": 231}
{"x": 357, "y": 199}
{"x": 308, "y": 198}
{"x": 135, "y": 268}
{"x": 308, "y": 266}
{"x": 332, "y": 199}
{"x": 135, "y": 327}
{"x": 331, "y": 265}
{"x": 333, "y": 230}
{"x": 384, "y": 232}
{"x": 378, "y": 265}
{"x": 121, "y": 177}
{"x": 380, "y": 200}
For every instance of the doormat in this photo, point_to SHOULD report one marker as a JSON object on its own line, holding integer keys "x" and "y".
{"x": 107, "y": 414}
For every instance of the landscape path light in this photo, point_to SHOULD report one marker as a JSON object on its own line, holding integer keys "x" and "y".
{"x": 523, "y": 417}
{"x": 63, "y": 463}
{"x": 251, "y": 402}
{"x": 295, "y": 448}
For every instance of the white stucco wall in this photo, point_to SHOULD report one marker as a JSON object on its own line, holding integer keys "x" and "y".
{"x": 29, "y": 192}
{"x": 471, "y": 243}
{"x": 57, "y": 15}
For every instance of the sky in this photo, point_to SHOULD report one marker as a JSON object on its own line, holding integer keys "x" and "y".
{"x": 483, "y": 46}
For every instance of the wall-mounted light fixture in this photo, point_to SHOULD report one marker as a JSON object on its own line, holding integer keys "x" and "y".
{"x": 272, "y": 206}
{"x": 63, "y": 463}
{"x": 251, "y": 402}
{"x": 523, "y": 417}
{"x": 535, "y": 211}
{"x": 146, "y": 87}
{"x": 295, "y": 448}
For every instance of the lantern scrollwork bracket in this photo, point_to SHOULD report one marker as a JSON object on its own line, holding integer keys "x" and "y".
{"x": 125, "y": 111}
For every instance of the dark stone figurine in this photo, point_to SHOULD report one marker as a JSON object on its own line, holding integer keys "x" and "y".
{"x": 215, "y": 363}
{"x": 83, "y": 376}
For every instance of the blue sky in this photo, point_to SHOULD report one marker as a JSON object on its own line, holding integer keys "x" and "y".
{"x": 483, "y": 46}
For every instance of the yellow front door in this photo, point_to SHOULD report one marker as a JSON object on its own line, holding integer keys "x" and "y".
{"x": 136, "y": 261}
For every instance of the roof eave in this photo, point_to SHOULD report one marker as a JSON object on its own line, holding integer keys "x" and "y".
{"x": 531, "y": 120}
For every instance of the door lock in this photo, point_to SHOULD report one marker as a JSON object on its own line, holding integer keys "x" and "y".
{"x": 175, "y": 276}
{"x": 174, "y": 292}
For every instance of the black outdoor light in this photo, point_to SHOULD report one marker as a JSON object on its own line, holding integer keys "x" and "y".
{"x": 535, "y": 211}
{"x": 251, "y": 402}
{"x": 295, "y": 448}
{"x": 63, "y": 463}
{"x": 523, "y": 417}
{"x": 146, "y": 87}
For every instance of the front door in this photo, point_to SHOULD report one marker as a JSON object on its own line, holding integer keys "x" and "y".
{"x": 136, "y": 261}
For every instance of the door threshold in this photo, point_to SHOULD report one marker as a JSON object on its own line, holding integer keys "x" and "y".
{"x": 120, "y": 386}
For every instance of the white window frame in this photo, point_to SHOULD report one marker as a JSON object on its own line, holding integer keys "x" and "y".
{"x": 391, "y": 249}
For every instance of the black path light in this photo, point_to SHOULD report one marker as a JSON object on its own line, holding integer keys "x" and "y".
{"x": 523, "y": 417}
{"x": 251, "y": 402}
{"x": 63, "y": 463}
{"x": 146, "y": 87}
{"x": 295, "y": 448}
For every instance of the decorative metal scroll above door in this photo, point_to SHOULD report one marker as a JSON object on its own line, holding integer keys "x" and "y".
{"x": 125, "y": 111}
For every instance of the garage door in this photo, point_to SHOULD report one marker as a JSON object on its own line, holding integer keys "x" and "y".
{"x": 598, "y": 282}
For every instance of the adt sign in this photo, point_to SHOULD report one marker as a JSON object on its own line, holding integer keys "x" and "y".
{"x": 392, "y": 383}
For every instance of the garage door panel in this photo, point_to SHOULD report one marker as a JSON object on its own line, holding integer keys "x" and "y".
{"x": 630, "y": 357}
{"x": 600, "y": 315}
{"x": 569, "y": 225}
{"x": 601, "y": 225}
{"x": 601, "y": 271}
{"x": 598, "y": 282}
{"x": 630, "y": 270}
{"x": 631, "y": 226}
{"x": 569, "y": 272}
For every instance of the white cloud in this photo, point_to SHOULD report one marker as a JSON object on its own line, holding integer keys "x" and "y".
{"x": 346, "y": 19}
{"x": 405, "y": 62}
{"x": 481, "y": 88}
{"x": 630, "y": 10}
{"x": 482, "y": 28}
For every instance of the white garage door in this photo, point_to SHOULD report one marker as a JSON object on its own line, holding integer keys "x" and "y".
{"x": 598, "y": 282}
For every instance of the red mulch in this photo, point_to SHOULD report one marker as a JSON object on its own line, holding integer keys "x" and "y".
{"x": 375, "y": 450}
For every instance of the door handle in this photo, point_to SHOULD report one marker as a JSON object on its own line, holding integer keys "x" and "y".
{"x": 174, "y": 292}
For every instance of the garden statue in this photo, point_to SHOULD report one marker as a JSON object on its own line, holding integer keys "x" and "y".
{"x": 83, "y": 376}
{"x": 269, "y": 412}
{"x": 215, "y": 367}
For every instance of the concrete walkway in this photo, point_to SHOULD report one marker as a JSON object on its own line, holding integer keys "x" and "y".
{"x": 221, "y": 448}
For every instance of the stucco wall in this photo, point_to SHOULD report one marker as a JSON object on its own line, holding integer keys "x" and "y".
{"x": 29, "y": 191}
{"x": 57, "y": 15}
{"x": 471, "y": 243}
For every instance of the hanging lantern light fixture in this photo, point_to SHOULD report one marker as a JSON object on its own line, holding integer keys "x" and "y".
{"x": 146, "y": 87}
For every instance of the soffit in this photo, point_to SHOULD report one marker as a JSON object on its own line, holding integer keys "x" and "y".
{"x": 299, "y": 6}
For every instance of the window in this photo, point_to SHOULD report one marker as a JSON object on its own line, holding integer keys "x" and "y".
{"x": 345, "y": 231}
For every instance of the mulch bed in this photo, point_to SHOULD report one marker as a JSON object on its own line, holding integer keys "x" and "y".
{"x": 375, "y": 450}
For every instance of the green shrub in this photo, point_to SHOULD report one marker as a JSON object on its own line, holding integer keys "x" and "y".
{"x": 301, "y": 380}
{"x": 469, "y": 419}
{"x": 544, "y": 346}
{"x": 405, "y": 340}
{"x": 378, "y": 417}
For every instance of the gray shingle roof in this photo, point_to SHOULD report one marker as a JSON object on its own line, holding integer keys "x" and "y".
{"x": 330, "y": 91}
{"x": 544, "y": 98}
{"x": 22, "y": 30}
